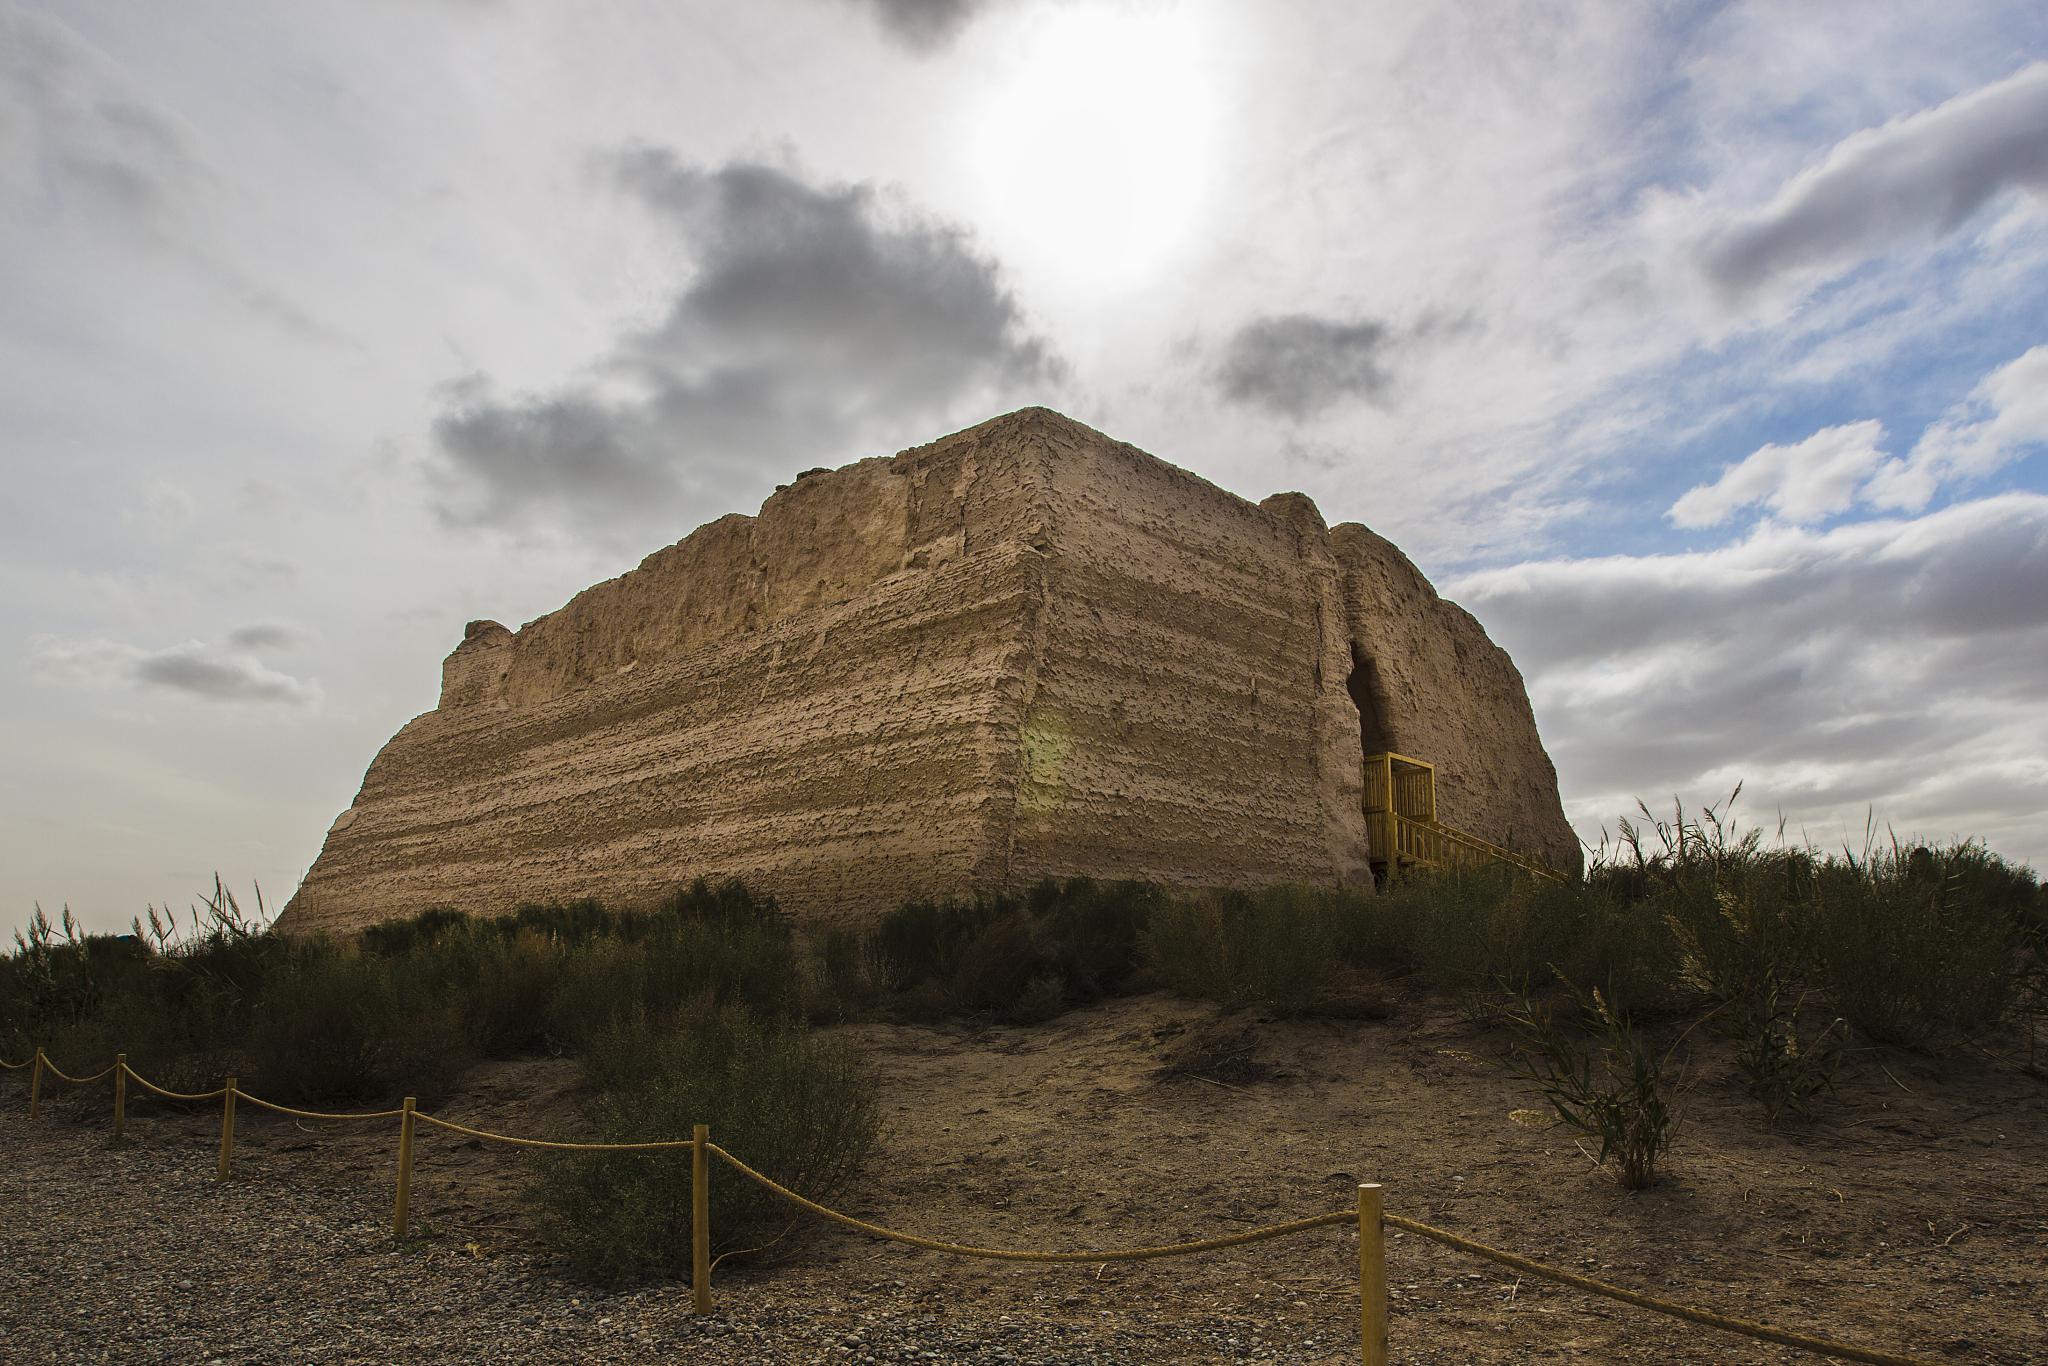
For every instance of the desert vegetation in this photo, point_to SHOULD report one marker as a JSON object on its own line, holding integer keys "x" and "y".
{"x": 706, "y": 1008}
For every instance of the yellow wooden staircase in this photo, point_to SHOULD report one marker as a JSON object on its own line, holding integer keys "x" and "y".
{"x": 1400, "y": 821}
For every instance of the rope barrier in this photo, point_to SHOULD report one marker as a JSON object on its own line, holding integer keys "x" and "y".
{"x": 1727, "y": 1323}
{"x": 549, "y": 1144}
{"x": 146, "y": 1084}
{"x": 1133, "y": 1254}
{"x": 16, "y": 1066}
{"x": 61, "y": 1075}
{"x": 1708, "y": 1318}
{"x": 314, "y": 1114}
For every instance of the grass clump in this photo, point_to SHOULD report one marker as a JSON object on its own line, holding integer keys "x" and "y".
{"x": 1609, "y": 1084}
{"x": 795, "y": 1106}
{"x": 1912, "y": 945}
{"x": 178, "y": 997}
{"x": 1782, "y": 1069}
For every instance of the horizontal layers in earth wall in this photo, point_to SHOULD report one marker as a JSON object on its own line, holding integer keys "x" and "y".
{"x": 1022, "y": 650}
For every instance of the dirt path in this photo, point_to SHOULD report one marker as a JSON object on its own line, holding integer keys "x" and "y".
{"x": 1913, "y": 1216}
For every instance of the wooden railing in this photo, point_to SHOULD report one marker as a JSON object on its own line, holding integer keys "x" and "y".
{"x": 1400, "y": 821}
{"x": 1398, "y": 839}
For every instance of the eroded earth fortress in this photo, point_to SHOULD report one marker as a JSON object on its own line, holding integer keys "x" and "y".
{"x": 1022, "y": 650}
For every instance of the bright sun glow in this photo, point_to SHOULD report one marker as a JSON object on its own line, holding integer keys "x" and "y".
{"x": 1095, "y": 147}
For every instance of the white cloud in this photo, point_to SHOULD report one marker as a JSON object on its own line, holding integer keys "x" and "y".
{"x": 1804, "y": 482}
{"x": 1895, "y": 664}
{"x": 193, "y": 668}
{"x": 1910, "y": 181}
{"x": 2004, "y": 416}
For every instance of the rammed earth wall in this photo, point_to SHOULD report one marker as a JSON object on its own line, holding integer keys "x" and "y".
{"x": 1024, "y": 649}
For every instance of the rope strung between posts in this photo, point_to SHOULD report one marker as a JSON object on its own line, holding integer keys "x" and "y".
{"x": 1825, "y": 1346}
{"x": 1133, "y": 1254}
{"x": 61, "y": 1075}
{"x": 146, "y": 1084}
{"x": 1708, "y": 1318}
{"x": 240, "y": 1094}
{"x": 552, "y": 1146}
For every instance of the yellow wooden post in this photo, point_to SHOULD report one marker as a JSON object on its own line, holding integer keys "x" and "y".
{"x": 404, "y": 1168}
{"x": 1372, "y": 1277}
{"x": 35, "y": 1086}
{"x": 120, "y": 1094}
{"x": 227, "y": 1129}
{"x": 700, "y": 1221}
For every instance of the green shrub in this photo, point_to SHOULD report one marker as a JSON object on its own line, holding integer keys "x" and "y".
{"x": 1627, "y": 948}
{"x": 794, "y": 1106}
{"x": 991, "y": 968}
{"x": 1044, "y": 997}
{"x": 174, "y": 997}
{"x": 1468, "y": 929}
{"x": 1912, "y": 945}
{"x": 1379, "y": 931}
{"x": 502, "y": 988}
{"x": 321, "y": 1029}
{"x": 333, "y": 1027}
{"x": 392, "y": 938}
{"x": 673, "y": 962}
{"x": 1184, "y": 947}
{"x": 599, "y": 985}
{"x": 176, "y": 1031}
{"x": 843, "y": 970}
{"x": 1472, "y": 928}
{"x": 570, "y": 922}
{"x": 1274, "y": 947}
{"x": 1017, "y": 959}
{"x": 730, "y": 903}
{"x": 920, "y": 942}
{"x": 1092, "y": 933}
{"x": 58, "y": 975}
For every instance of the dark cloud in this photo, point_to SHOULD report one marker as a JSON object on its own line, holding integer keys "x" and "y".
{"x": 925, "y": 24}
{"x": 567, "y": 453}
{"x": 267, "y": 636}
{"x": 814, "y": 316}
{"x": 1915, "y": 179}
{"x": 1828, "y": 669}
{"x": 193, "y": 668}
{"x": 1297, "y": 364}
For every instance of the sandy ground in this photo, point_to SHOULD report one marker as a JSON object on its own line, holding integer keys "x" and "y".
{"x": 1912, "y": 1215}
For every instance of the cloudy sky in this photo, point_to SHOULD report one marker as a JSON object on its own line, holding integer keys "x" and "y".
{"x": 1700, "y": 349}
